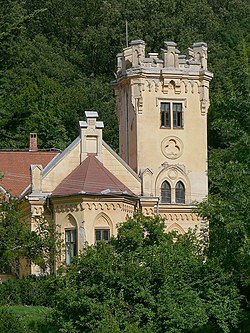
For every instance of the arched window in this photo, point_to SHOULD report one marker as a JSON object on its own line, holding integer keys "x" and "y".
{"x": 70, "y": 244}
{"x": 70, "y": 231}
{"x": 165, "y": 192}
{"x": 180, "y": 192}
{"x": 102, "y": 227}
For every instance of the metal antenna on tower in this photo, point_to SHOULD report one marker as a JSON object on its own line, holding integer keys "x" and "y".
{"x": 126, "y": 33}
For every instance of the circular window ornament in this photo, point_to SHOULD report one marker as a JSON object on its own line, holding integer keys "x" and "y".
{"x": 172, "y": 147}
{"x": 172, "y": 174}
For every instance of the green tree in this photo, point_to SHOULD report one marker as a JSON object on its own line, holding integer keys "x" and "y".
{"x": 146, "y": 281}
{"x": 13, "y": 235}
{"x": 41, "y": 246}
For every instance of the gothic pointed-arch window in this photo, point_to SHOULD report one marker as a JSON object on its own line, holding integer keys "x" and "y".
{"x": 180, "y": 192}
{"x": 70, "y": 232}
{"x": 165, "y": 192}
{"x": 102, "y": 228}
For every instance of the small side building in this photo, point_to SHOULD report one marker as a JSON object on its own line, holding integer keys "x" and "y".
{"x": 87, "y": 190}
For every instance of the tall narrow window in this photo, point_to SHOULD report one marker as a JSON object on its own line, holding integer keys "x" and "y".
{"x": 180, "y": 193}
{"x": 165, "y": 192}
{"x": 165, "y": 115}
{"x": 102, "y": 234}
{"x": 70, "y": 244}
{"x": 177, "y": 115}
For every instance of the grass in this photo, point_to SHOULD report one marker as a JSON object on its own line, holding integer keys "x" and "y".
{"x": 33, "y": 319}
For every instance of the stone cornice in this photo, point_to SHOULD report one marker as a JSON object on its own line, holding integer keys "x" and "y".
{"x": 77, "y": 199}
{"x": 95, "y": 206}
{"x": 173, "y": 74}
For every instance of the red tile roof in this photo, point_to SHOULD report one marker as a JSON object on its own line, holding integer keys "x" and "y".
{"x": 91, "y": 177}
{"x": 15, "y": 165}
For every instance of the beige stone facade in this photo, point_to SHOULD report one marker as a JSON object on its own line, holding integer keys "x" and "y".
{"x": 162, "y": 108}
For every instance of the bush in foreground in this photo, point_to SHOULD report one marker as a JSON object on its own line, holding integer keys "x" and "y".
{"x": 146, "y": 281}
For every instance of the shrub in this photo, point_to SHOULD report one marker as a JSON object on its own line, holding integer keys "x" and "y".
{"x": 11, "y": 323}
{"x": 31, "y": 290}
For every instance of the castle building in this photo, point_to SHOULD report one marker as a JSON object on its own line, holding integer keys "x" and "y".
{"x": 162, "y": 108}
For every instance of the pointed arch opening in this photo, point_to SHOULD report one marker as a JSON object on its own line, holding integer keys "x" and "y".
{"x": 176, "y": 228}
{"x": 165, "y": 192}
{"x": 180, "y": 192}
{"x": 102, "y": 228}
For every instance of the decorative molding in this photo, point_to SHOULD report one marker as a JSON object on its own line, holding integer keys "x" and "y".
{"x": 157, "y": 85}
{"x": 149, "y": 85}
{"x": 176, "y": 227}
{"x": 170, "y": 99}
{"x": 171, "y": 84}
{"x": 148, "y": 211}
{"x": 172, "y": 174}
{"x": 139, "y": 104}
{"x": 97, "y": 206}
{"x": 37, "y": 210}
{"x": 182, "y": 217}
{"x": 172, "y": 147}
{"x": 172, "y": 217}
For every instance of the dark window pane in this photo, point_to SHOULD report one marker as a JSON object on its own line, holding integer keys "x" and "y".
{"x": 70, "y": 244}
{"x": 165, "y": 115}
{"x": 180, "y": 193}
{"x": 106, "y": 235}
{"x": 165, "y": 192}
{"x": 177, "y": 115}
{"x": 102, "y": 234}
{"x": 73, "y": 236}
{"x": 98, "y": 235}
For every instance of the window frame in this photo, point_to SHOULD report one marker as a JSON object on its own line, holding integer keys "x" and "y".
{"x": 165, "y": 115}
{"x": 180, "y": 193}
{"x": 167, "y": 193}
{"x": 102, "y": 230}
{"x": 175, "y": 118}
{"x": 177, "y": 115}
{"x": 70, "y": 245}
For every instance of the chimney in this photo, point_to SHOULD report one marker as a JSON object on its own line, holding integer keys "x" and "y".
{"x": 91, "y": 136}
{"x": 33, "y": 142}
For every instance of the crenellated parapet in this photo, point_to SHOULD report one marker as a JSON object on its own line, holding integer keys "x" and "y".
{"x": 134, "y": 57}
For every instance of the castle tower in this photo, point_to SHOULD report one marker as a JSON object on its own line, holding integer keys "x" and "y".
{"x": 162, "y": 105}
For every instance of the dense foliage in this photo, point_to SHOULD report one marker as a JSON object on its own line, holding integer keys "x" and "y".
{"x": 31, "y": 290}
{"x": 19, "y": 244}
{"x": 26, "y": 319}
{"x": 57, "y": 59}
{"x": 146, "y": 281}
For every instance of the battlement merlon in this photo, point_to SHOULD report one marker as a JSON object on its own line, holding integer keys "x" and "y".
{"x": 133, "y": 57}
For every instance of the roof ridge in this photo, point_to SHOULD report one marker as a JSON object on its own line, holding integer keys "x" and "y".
{"x": 87, "y": 161}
